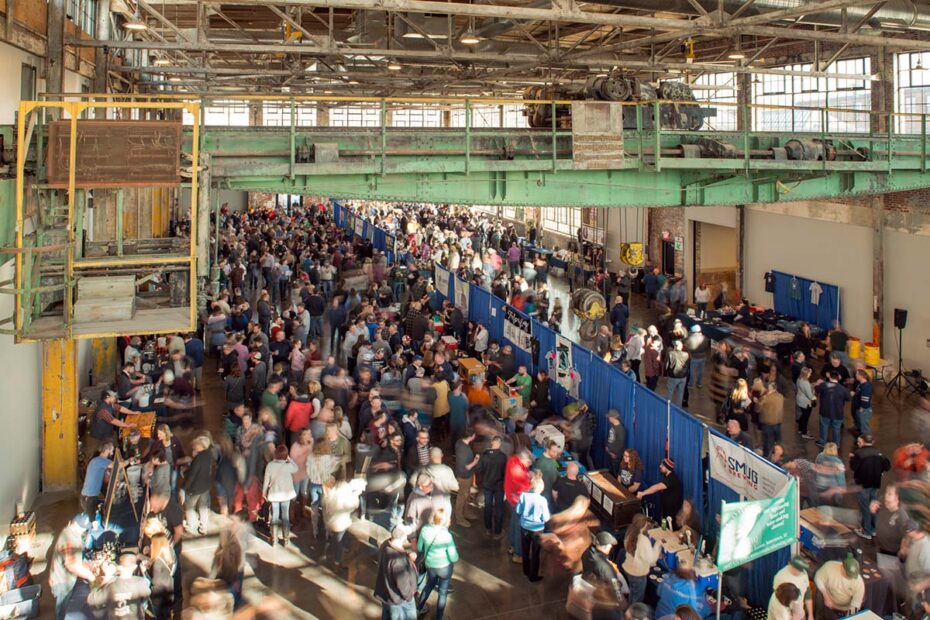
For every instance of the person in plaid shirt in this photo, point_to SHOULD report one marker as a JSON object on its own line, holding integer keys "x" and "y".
{"x": 67, "y": 565}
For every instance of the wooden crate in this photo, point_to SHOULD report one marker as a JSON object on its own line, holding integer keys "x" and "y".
{"x": 503, "y": 401}
{"x": 469, "y": 368}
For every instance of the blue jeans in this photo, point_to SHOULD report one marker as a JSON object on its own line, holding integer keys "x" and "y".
{"x": 397, "y": 288}
{"x": 404, "y": 611}
{"x": 637, "y": 588}
{"x": 316, "y": 494}
{"x": 771, "y": 433}
{"x": 514, "y": 531}
{"x": 493, "y": 511}
{"x": 326, "y": 287}
{"x": 826, "y": 425}
{"x": 280, "y": 513}
{"x": 697, "y": 372}
{"x": 335, "y": 545}
{"x": 316, "y": 327}
{"x": 866, "y": 497}
{"x": 863, "y": 419}
{"x": 441, "y": 577}
{"x": 302, "y": 487}
{"x": 676, "y": 390}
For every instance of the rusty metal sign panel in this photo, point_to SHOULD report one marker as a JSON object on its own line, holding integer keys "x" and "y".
{"x": 116, "y": 153}
{"x": 597, "y": 135}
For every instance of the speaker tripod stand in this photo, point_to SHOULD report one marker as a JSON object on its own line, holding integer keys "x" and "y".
{"x": 902, "y": 380}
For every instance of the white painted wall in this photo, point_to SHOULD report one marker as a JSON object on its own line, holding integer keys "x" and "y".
{"x": 831, "y": 252}
{"x": 20, "y": 416}
{"x": 718, "y": 246}
{"x": 238, "y": 201}
{"x": 906, "y": 259}
{"x": 11, "y": 61}
{"x": 719, "y": 216}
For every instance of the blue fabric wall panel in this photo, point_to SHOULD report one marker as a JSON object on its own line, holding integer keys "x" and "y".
{"x": 650, "y": 431}
{"x": 822, "y": 314}
{"x": 496, "y": 326}
{"x": 479, "y": 306}
{"x": 686, "y": 448}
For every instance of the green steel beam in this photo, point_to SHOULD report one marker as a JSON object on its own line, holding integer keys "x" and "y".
{"x": 535, "y": 168}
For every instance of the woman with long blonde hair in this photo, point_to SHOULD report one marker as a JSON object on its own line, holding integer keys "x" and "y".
{"x": 162, "y": 565}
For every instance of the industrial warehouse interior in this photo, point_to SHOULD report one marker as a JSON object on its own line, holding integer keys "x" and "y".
{"x": 472, "y": 309}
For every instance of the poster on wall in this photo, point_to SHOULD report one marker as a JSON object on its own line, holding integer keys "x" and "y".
{"x": 359, "y": 226}
{"x": 563, "y": 362}
{"x": 743, "y": 470}
{"x": 442, "y": 280}
{"x": 517, "y": 329}
{"x": 750, "y": 530}
{"x": 461, "y": 296}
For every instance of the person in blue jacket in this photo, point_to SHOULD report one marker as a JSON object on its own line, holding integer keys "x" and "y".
{"x": 680, "y": 588}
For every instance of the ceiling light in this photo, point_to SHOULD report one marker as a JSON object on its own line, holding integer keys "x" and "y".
{"x": 394, "y": 66}
{"x": 470, "y": 37}
{"x": 353, "y": 83}
{"x": 327, "y": 92}
{"x": 174, "y": 78}
{"x": 161, "y": 62}
{"x": 737, "y": 56}
{"x": 411, "y": 34}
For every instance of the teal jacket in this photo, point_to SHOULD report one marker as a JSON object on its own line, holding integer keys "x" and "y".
{"x": 438, "y": 546}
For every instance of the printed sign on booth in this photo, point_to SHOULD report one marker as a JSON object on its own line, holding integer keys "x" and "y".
{"x": 750, "y": 530}
{"x": 517, "y": 329}
{"x": 743, "y": 470}
{"x": 442, "y": 280}
{"x": 461, "y": 296}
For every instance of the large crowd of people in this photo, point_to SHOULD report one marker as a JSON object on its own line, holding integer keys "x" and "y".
{"x": 343, "y": 400}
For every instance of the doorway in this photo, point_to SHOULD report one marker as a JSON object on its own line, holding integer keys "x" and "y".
{"x": 715, "y": 257}
{"x": 668, "y": 257}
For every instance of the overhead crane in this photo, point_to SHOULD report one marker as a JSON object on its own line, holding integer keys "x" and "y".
{"x": 67, "y": 221}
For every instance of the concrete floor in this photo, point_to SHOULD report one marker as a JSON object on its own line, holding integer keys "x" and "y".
{"x": 486, "y": 583}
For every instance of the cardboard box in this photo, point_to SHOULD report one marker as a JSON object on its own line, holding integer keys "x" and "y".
{"x": 503, "y": 402}
{"x": 469, "y": 368}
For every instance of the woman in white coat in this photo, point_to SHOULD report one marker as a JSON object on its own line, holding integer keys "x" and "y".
{"x": 278, "y": 488}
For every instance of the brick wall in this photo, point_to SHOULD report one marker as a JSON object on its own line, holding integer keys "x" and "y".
{"x": 671, "y": 219}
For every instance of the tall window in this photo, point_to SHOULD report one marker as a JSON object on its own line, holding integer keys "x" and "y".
{"x": 424, "y": 116}
{"x": 912, "y": 70}
{"x": 718, "y": 88}
{"x": 562, "y": 220}
{"x": 354, "y": 116}
{"x": 278, "y": 114}
{"x": 222, "y": 114}
{"x": 486, "y": 116}
{"x": 798, "y": 101}
{"x": 84, "y": 15}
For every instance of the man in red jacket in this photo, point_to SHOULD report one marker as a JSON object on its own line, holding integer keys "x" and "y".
{"x": 516, "y": 482}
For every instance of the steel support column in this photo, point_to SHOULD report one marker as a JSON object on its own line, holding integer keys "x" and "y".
{"x": 55, "y": 60}
{"x": 106, "y": 359}
{"x": 59, "y": 415}
{"x": 101, "y": 60}
{"x": 878, "y": 267}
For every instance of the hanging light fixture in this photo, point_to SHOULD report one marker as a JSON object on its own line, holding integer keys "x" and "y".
{"x": 161, "y": 62}
{"x": 737, "y": 53}
{"x": 393, "y": 65}
{"x": 470, "y": 36}
{"x": 135, "y": 22}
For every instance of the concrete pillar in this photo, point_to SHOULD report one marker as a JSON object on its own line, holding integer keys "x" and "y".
{"x": 256, "y": 114}
{"x": 55, "y": 59}
{"x": 204, "y": 193}
{"x": 447, "y": 118}
{"x": 100, "y": 54}
{"x": 882, "y": 90}
{"x": 743, "y": 99}
{"x": 322, "y": 116}
{"x": 59, "y": 415}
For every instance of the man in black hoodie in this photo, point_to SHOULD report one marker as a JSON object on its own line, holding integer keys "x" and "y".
{"x": 491, "y": 468}
{"x": 868, "y": 464}
{"x": 396, "y": 583}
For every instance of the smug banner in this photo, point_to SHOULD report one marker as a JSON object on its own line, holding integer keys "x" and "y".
{"x": 743, "y": 470}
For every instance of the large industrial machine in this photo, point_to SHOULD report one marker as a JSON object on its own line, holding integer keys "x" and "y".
{"x": 675, "y": 112}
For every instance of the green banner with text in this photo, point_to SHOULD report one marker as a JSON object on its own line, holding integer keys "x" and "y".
{"x": 750, "y": 530}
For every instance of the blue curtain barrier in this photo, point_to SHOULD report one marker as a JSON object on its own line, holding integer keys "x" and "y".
{"x": 799, "y": 304}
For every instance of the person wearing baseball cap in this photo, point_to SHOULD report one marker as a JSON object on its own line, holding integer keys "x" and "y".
{"x": 670, "y": 487}
{"x": 600, "y": 572}
{"x": 67, "y": 563}
{"x": 396, "y": 582}
{"x": 796, "y": 573}
{"x": 840, "y": 589}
